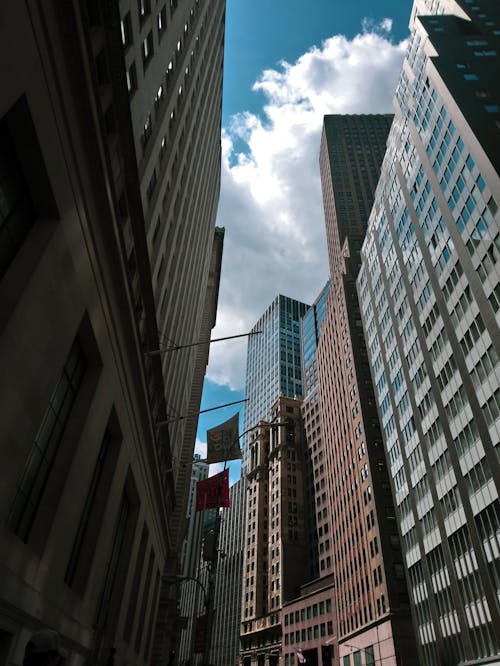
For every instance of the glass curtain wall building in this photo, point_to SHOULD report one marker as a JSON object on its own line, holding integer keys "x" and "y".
{"x": 310, "y": 332}
{"x": 274, "y": 366}
{"x": 429, "y": 290}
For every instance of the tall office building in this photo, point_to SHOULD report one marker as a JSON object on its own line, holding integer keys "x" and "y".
{"x": 109, "y": 176}
{"x": 356, "y": 531}
{"x": 275, "y": 546}
{"x": 306, "y": 614}
{"x": 191, "y": 601}
{"x": 274, "y": 371}
{"x": 429, "y": 290}
{"x": 227, "y": 604}
{"x": 274, "y": 364}
{"x": 310, "y": 333}
{"x": 193, "y": 580}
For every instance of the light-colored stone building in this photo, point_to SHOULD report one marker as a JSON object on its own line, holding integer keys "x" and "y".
{"x": 109, "y": 177}
{"x": 429, "y": 293}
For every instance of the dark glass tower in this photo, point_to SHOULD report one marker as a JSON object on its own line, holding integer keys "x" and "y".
{"x": 274, "y": 366}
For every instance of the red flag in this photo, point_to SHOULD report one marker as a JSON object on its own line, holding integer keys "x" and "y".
{"x": 213, "y": 492}
{"x": 300, "y": 655}
{"x": 200, "y": 633}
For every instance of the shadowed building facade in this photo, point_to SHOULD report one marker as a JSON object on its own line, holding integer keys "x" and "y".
{"x": 430, "y": 299}
{"x": 109, "y": 179}
{"x": 191, "y": 597}
{"x": 227, "y": 623}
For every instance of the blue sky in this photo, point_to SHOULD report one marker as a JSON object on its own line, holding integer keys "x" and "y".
{"x": 287, "y": 63}
{"x": 261, "y": 33}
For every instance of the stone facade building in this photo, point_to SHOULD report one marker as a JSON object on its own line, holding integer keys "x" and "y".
{"x": 109, "y": 176}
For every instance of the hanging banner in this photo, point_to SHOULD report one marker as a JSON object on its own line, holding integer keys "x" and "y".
{"x": 300, "y": 656}
{"x": 213, "y": 492}
{"x": 200, "y": 633}
{"x": 223, "y": 441}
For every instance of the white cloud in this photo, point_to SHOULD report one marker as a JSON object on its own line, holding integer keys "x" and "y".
{"x": 201, "y": 448}
{"x": 215, "y": 469}
{"x": 369, "y": 25}
{"x": 271, "y": 202}
{"x": 386, "y": 25}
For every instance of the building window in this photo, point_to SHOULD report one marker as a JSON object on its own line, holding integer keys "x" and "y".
{"x": 147, "y": 49}
{"x": 131, "y": 78}
{"x": 144, "y": 9}
{"x": 151, "y": 186}
{"x": 126, "y": 30}
{"x": 146, "y": 592}
{"x": 119, "y": 557}
{"x": 159, "y": 97}
{"x": 118, "y": 544}
{"x": 91, "y": 517}
{"x": 46, "y": 445}
{"x": 17, "y": 212}
{"x": 146, "y": 132}
{"x": 162, "y": 20}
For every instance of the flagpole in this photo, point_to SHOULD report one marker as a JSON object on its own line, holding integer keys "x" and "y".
{"x": 265, "y": 423}
{"x": 166, "y": 350}
{"x": 202, "y": 411}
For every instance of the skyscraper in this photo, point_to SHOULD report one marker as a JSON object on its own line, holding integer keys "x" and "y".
{"x": 309, "y": 338}
{"x": 274, "y": 364}
{"x": 191, "y": 601}
{"x": 109, "y": 175}
{"x": 227, "y": 623}
{"x": 311, "y": 326}
{"x": 275, "y": 546}
{"x": 429, "y": 291}
{"x": 356, "y": 531}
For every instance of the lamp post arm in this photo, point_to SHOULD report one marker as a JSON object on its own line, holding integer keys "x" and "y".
{"x": 180, "y": 579}
{"x": 166, "y": 350}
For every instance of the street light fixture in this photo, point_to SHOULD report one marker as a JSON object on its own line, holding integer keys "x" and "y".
{"x": 176, "y": 579}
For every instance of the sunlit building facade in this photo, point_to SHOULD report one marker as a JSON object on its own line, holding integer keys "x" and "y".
{"x": 429, "y": 291}
{"x": 275, "y": 545}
